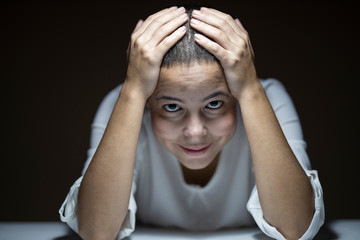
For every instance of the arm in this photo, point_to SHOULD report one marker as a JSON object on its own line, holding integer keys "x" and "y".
{"x": 284, "y": 189}
{"x": 106, "y": 186}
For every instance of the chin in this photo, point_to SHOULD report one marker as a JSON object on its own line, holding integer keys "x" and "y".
{"x": 195, "y": 164}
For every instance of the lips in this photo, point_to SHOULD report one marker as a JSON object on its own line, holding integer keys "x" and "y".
{"x": 195, "y": 150}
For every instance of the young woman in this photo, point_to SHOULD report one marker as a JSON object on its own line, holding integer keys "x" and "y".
{"x": 194, "y": 139}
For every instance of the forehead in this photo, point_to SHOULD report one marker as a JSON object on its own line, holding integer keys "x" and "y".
{"x": 195, "y": 75}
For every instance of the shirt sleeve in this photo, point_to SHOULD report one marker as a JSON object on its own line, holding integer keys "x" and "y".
{"x": 289, "y": 121}
{"x": 68, "y": 210}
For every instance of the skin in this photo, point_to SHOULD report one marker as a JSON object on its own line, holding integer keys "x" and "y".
{"x": 105, "y": 190}
{"x": 191, "y": 107}
{"x": 284, "y": 190}
{"x": 199, "y": 119}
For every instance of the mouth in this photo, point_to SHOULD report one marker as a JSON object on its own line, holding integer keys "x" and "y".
{"x": 195, "y": 150}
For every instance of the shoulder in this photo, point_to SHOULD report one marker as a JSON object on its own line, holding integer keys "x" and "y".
{"x": 275, "y": 91}
{"x": 272, "y": 84}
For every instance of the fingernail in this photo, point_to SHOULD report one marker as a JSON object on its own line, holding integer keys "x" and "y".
{"x": 173, "y": 8}
{"x": 184, "y": 16}
{"x": 198, "y": 36}
{"x": 182, "y": 29}
{"x": 204, "y": 8}
{"x": 138, "y": 24}
{"x": 196, "y": 12}
{"x": 194, "y": 21}
{"x": 181, "y": 9}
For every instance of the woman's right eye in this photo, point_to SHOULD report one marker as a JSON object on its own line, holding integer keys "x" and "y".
{"x": 171, "y": 107}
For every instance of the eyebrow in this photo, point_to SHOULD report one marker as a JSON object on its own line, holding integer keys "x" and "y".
{"x": 215, "y": 94}
{"x": 169, "y": 98}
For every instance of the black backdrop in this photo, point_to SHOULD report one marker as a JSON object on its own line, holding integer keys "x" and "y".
{"x": 60, "y": 60}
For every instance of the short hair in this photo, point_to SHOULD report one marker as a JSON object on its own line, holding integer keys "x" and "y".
{"x": 186, "y": 50}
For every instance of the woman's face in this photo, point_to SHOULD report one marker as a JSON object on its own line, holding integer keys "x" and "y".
{"x": 193, "y": 112}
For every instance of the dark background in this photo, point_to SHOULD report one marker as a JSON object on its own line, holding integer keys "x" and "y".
{"x": 60, "y": 60}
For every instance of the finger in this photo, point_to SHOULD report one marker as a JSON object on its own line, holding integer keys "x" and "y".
{"x": 235, "y": 24}
{"x": 169, "y": 41}
{"x": 211, "y": 46}
{"x": 129, "y": 45}
{"x": 217, "y": 22}
{"x": 218, "y": 35}
{"x": 149, "y": 19}
{"x": 226, "y": 17}
{"x": 162, "y": 20}
{"x": 165, "y": 30}
{"x": 249, "y": 42}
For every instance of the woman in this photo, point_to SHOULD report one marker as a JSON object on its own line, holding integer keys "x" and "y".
{"x": 193, "y": 139}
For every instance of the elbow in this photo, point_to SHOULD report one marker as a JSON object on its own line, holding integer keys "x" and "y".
{"x": 87, "y": 233}
{"x": 97, "y": 229}
{"x": 84, "y": 234}
{"x": 295, "y": 231}
{"x": 292, "y": 227}
{"x": 95, "y": 224}
{"x": 293, "y": 235}
{"x": 95, "y": 237}
{"x": 95, "y": 234}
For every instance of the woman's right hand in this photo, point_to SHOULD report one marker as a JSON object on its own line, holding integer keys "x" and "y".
{"x": 149, "y": 43}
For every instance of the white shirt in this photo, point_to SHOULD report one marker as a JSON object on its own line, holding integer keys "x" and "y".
{"x": 160, "y": 196}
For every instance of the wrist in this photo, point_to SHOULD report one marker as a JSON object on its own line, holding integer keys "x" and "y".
{"x": 251, "y": 92}
{"x": 131, "y": 93}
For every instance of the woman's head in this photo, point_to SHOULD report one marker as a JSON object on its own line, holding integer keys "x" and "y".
{"x": 192, "y": 110}
{"x": 187, "y": 50}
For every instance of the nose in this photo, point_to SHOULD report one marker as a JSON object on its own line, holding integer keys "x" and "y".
{"x": 195, "y": 127}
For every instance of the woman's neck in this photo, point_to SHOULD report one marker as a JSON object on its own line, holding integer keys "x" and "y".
{"x": 200, "y": 177}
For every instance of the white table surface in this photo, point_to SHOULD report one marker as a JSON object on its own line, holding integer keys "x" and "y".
{"x": 340, "y": 229}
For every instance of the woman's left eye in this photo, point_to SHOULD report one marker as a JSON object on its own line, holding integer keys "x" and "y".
{"x": 215, "y": 104}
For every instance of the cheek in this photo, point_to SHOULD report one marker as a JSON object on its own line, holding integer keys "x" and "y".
{"x": 164, "y": 129}
{"x": 226, "y": 125}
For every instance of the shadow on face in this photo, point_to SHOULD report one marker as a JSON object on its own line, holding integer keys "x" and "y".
{"x": 192, "y": 108}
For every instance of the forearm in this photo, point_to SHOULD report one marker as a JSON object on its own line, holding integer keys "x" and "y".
{"x": 105, "y": 189}
{"x": 284, "y": 189}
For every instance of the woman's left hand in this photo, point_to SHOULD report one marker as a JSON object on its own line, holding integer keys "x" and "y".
{"x": 230, "y": 45}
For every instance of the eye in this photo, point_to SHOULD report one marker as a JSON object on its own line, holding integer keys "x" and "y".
{"x": 171, "y": 107}
{"x": 215, "y": 104}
